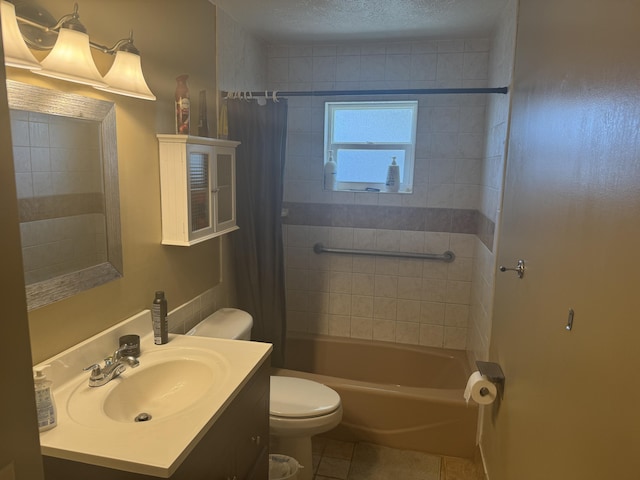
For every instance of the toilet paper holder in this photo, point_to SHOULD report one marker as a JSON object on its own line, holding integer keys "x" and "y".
{"x": 494, "y": 373}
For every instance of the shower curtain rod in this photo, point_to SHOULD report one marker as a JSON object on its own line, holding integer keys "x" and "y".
{"x": 402, "y": 91}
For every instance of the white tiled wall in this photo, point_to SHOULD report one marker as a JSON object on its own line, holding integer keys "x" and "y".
{"x": 242, "y": 59}
{"x": 44, "y": 163}
{"x": 454, "y": 169}
{"x": 184, "y": 317}
{"x": 500, "y": 72}
{"x": 450, "y": 132}
{"x": 405, "y": 301}
{"x": 46, "y": 166}
{"x": 399, "y": 300}
{"x": 57, "y": 246}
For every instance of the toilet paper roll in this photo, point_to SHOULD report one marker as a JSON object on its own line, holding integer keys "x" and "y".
{"x": 480, "y": 389}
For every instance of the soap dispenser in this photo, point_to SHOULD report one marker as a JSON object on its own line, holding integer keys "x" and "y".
{"x": 330, "y": 173}
{"x": 45, "y": 404}
{"x": 393, "y": 176}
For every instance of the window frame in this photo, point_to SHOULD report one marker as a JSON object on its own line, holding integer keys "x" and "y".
{"x": 406, "y": 182}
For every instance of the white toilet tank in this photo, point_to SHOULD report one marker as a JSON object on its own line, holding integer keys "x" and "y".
{"x": 225, "y": 323}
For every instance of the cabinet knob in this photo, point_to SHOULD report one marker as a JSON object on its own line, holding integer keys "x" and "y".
{"x": 256, "y": 439}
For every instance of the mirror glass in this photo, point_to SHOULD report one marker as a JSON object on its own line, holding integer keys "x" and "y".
{"x": 65, "y": 155}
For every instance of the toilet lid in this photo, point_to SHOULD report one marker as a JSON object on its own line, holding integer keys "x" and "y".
{"x": 225, "y": 323}
{"x": 298, "y": 398}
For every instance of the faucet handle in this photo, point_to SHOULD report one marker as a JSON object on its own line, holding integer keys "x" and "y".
{"x": 95, "y": 369}
{"x": 132, "y": 361}
{"x": 117, "y": 355}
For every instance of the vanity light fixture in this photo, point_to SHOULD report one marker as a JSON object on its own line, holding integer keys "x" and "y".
{"x": 16, "y": 52}
{"x": 70, "y": 59}
{"x": 70, "y": 56}
{"x": 125, "y": 76}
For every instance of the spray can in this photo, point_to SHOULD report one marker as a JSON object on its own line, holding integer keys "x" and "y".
{"x": 160, "y": 321}
{"x": 183, "y": 106}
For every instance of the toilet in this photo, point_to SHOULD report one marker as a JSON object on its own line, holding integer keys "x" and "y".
{"x": 298, "y": 408}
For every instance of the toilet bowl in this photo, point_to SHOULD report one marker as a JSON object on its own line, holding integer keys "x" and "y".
{"x": 298, "y": 408}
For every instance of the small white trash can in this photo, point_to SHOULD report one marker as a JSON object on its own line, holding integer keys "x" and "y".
{"x": 282, "y": 467}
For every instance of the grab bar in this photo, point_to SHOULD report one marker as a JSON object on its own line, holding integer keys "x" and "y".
{"x": 447, "y": 256}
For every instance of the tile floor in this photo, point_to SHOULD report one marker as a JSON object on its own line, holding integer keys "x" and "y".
{"x": 364, "y": 461}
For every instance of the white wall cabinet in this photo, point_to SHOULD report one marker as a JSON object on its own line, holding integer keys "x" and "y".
{"x": 197, "y": 188}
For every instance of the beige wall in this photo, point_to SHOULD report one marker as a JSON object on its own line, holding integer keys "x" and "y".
{"x": 571, "y": 206}
{"x": 181, "y": 40}
{"x": 19, "y": 447}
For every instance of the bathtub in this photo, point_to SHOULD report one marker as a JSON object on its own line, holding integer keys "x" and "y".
{"x": 394, "y": 395}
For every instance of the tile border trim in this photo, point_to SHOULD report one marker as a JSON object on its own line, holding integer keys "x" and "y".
{"x": 451, "y": 220}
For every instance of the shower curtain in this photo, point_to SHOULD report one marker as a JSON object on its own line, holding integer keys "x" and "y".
{"x": 257, "y": 245}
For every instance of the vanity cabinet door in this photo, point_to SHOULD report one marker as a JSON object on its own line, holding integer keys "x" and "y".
{"x": 252, "y": 447}
{"x": 240, "y": 445}
{"x": 237, "y": 446}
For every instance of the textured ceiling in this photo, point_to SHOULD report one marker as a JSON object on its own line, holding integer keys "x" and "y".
{"x": 362, "y": 20}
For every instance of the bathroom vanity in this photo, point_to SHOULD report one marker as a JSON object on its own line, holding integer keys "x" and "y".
{"x": 208, "y": 400}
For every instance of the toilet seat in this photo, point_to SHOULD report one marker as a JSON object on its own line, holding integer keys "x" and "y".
{"x": 298, "y": 398}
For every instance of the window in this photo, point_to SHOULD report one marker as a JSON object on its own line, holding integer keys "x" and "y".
{"x": 362, "y": 138}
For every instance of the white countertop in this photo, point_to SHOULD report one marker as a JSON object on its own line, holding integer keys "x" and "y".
{"x": 157, "y": 447}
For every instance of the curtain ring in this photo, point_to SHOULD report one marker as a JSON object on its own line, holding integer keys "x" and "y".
{"x": 275, "y": 96}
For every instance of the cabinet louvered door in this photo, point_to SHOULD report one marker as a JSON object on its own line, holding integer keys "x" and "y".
{"x": 200, "y": 190}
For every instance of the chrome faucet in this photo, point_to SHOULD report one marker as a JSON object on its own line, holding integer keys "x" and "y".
{"x": 113, "y": 367}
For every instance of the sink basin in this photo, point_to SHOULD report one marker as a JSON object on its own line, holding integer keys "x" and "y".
{"x": 165, "y": 384}
{"x": 160, "y": 390}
